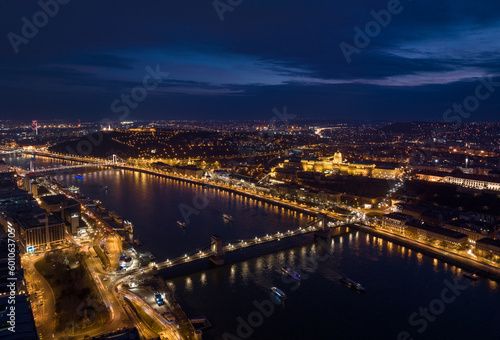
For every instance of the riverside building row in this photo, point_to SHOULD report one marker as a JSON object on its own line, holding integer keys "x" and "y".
{"x": 458, "y": 177}
{"x": 481, "y": 240}
{"x": 38, "y": 224}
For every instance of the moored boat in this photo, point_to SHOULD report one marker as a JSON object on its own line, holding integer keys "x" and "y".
{"x": 149, "y": 255}
{"x": 129, "y": 227}
{"x": 99, "y": 205}
{"x": 118, "y": 219}
{"x": 353, "y": 284}
{"x": 292, "y": 273}
{"x": 278, "y": 292}
{"x": 472, "y": 276}
{"x": 74, "y": 188}
{"x": 227, "y": 217}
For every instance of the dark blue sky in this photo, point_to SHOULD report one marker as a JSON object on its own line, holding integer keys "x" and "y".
{"x": 264, "y": 54}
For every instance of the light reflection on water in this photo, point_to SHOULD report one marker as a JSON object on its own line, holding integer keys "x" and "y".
{"x": 321, "y": 288}
{"x": 203, "y": 279}
{"x": 396, "y": 279}
{"x": 493, "y": 285}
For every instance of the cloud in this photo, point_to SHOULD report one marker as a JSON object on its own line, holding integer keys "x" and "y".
{"x": 265, "y": 53}
{"x": 428, "y": 78}
{"x": 467, "y": 45}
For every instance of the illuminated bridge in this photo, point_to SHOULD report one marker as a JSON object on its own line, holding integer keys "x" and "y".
{"x": 110, "y": 161}
{"x": 10, "y": 151}
{"x": 216, "y": 250}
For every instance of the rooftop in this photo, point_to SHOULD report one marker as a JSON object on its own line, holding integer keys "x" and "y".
{"x": 438, "y": 230}
{"x": 459, "y": 174}
{"x": 489, "y": 241}
{"x": 398, "y": 216}
{"x": 58, "y": 200}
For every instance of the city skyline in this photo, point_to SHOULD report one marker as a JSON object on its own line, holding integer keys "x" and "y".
{"x": 236, "y": 169}
{"x": 389, "y": 60}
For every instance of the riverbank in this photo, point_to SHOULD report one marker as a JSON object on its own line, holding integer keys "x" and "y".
{"x": 224, "y": 188}
{"x": 468, "y": 264}
{"x": 457, "y": 260}
{"x": 193, "y": 181}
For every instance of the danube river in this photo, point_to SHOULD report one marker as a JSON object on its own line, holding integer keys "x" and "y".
{"x": 408, "y": 295}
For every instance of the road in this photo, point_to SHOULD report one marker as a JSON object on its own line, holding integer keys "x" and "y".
{"x": 44, "y": 315}
{"x": 145, "y": 331}
{"x": 119, "y": 318}
{"x": 168, "y": 332}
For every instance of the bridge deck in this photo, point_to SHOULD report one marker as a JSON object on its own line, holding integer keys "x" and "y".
{"x": 198, "y": 255}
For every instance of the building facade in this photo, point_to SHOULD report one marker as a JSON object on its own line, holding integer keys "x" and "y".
{"x": 488, "y": 247}
{"x": 480, "y": 182}
{"x": 333, "y": 165}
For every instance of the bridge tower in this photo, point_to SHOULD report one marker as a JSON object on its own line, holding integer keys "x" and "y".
{"x": 323, "y": 229}
{"x": 216, "y": 248}
{"x": 115, "y": 159}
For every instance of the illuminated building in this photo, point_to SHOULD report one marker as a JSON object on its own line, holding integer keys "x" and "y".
{"x": 333, "y": 165}
{"x": 488, "y": 247}
{"x": 34, "y": 227}
{"x": 480, "y": 182}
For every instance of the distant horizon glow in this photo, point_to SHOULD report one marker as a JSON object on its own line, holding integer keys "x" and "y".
{"x": 263, "y": 55}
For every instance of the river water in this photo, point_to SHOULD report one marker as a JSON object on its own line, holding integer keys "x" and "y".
{"x": 405, "y": 290}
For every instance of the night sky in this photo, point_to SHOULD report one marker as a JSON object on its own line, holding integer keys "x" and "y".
{"x": 90, "y": 55}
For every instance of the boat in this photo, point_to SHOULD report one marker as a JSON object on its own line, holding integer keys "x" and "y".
{"x": 79, "y": 176}
{"x": 472, "y": 276}
{"x": 149, "y": 255}
{"x": 129, "y": 227}
{"x": 227, "y": 217}
{"x": 353, "y": 284}
{"x": 74, "y": 188}
{"x": 292, "y": 273}
{"x": 99, "y": 205}
{"x": 200, "y": 323}
{"x": 105, "y": 187}
{"x": 181, "y": 224}
{"x": 118, "y": 219}
{"x": 278, "y": 292}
